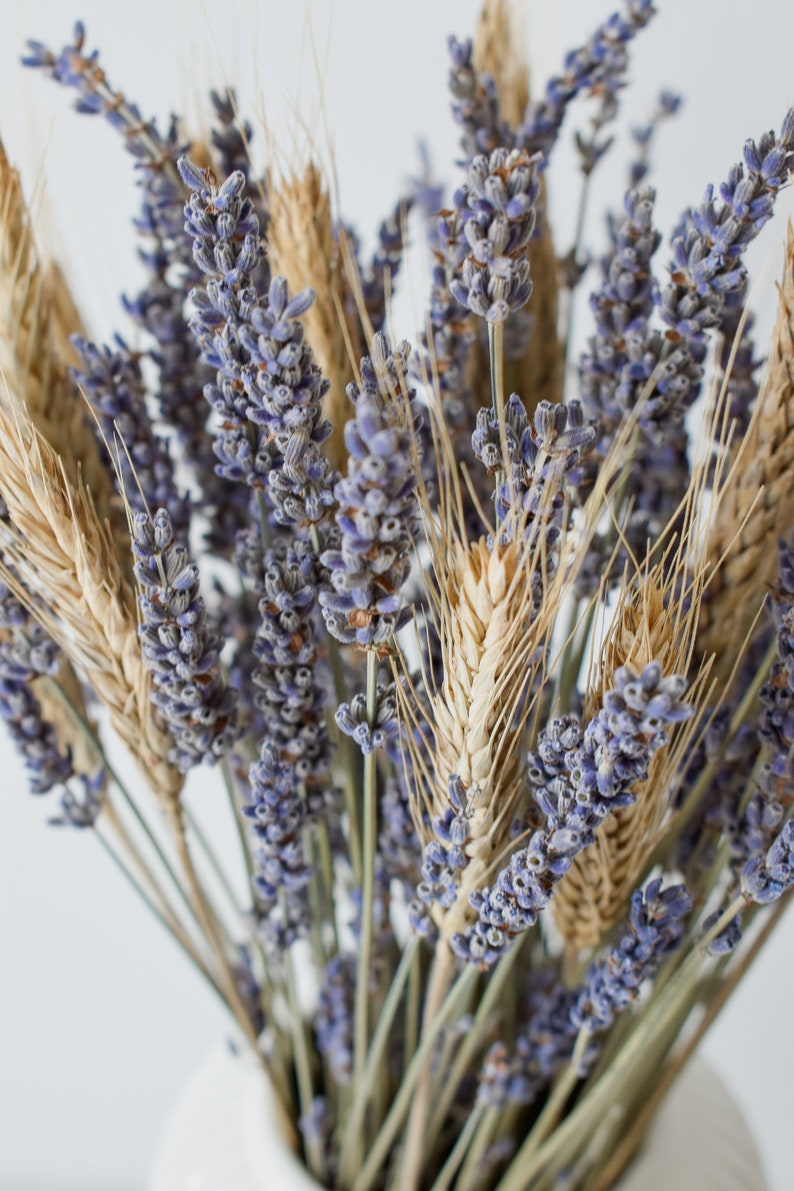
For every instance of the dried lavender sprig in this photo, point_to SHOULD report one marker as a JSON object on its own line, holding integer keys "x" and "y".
{"x": 475, "y": 104}
{"x": 231, "y": 137}
{"x": 364, "y": 604}
{"x": 47, "y": 767}
{"x": 352, "y": 719}
{"x": 178, "y": 647}
{"x": 159, "y": 307}
{"x": 495, "y": 218}
{"x": 766, "y": 878}
{"x": 667, "y": 105}
{"x": 657, "y": 921}
{"x": 578, "y": 778}
{"x": 377, "y": 280}
{"x": 597, "y": 67}
{"x": 620, "y": 305}
{"x": 111, "y": 381}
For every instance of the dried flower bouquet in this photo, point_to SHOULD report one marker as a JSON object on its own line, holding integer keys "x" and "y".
{"x": 490, "y": 670}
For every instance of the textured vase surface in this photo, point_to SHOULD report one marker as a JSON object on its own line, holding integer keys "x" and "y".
{"x": 222, "y": 1136}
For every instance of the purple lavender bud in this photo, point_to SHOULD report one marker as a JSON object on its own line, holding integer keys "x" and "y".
{"x": 351, "y": 718}
{"x": 580, "y": 778}
{"x": 496, "y": 213}
{"x": 599, "y": 67}
{"x": 655, "y": 930}
{"x": 728, "y": 938}
{"x": 81, "y": 810}
{"x": 377, "y": 506}
{"x": 178, "y": 647}
{"x": 112, "y": 382}
{"x": 764, "y": 879}
{"x": 475, "y": 104}
{"x": 333, "y": 1024}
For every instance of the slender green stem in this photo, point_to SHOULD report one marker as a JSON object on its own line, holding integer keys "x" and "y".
{"x": 127, "y": 797}
{"x": 469, "y": 1175}
{"x": 374, "y": 1064}
{"x": 496, "y": 361}
{"x": 303, "y": 1071}
{"x": 581, "y": 216}
{"x": 239, "y": 822}
{"x": 370, "y": 843}
{"x": 161, "y": 914}
{"x": 412, "y": 1003}
{"x": 473, "y": 1039}
{"x": 452, "y": 1164}
{"x": 214, "y": 863}
{"x": 560, "y": 1093}
{"x": 415, "y": 1069}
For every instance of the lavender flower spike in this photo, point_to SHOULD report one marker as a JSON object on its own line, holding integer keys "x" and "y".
{"x": 579, "y": 779}
{"x": 495, "y": 215}
{"x": 377, "y": 507}
{"x": 178, "y": 648}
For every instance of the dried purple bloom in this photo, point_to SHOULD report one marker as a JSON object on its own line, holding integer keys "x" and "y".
{"x": 667, "y": 105}
{"x": 579, "y": 778}
{"x": 179, "y": 650}
{"x": 728, "y": 938}
{"x": 475, "y": 103}
{"x": 377, "y": 507}
{"x": 377, "y": 281}
{"x": 496, "y": 212}
{"x": 597, "y": 67}
{"x": 655, "y": 930}
{"x": 111, "y": 380}
{"x": 333, "y": 1023}
{"x": 351, "y": 718}
{"x": 765, "y": 878}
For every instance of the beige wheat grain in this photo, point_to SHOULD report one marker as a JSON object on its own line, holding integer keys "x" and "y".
{"x": 758, "y": 501}
{"x": 63, "y": 555}
{"x": 304, "y": 249}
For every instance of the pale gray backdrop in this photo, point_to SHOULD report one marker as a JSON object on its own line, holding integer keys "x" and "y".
{"x": 101, "y": 1021}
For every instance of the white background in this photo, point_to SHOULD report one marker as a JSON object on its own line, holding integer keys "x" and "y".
{"x": 100, "y": 1020}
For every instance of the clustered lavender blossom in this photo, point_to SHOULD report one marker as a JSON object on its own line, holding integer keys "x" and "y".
{"x": 613, "y": 982}
{"x": 178, "y": 647}
{"x": 579, "y": 778}
{"x": 490, "y": 228}
{"x": 365, "y": 604}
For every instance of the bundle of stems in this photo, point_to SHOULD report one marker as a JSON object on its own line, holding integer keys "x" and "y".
{"x": 499, "y": 686}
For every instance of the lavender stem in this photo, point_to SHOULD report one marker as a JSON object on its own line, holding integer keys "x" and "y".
{"x": 458, "y": 1152}
{"x": 369, "y": 848}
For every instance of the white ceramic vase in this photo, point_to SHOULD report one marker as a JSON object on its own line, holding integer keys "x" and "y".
{"x": 222, "y": 1136}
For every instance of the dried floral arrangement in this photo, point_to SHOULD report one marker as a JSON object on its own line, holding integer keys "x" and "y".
{"x": 497, "y": 677}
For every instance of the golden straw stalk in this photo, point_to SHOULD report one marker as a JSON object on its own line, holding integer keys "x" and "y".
{"x": 63, "y": 555}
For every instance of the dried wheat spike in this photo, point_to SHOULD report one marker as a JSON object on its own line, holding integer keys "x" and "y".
{"x": 304, "y": 249}
{"x": 487, "y": 649}
{"x": 651, "y": 624}
{"x": 758, "y": 501}
{"x": 68, "y": 732}
{"x": 37, "y": 316}
{"x": 496, "y": 50}
{"x": 63, "y": 555}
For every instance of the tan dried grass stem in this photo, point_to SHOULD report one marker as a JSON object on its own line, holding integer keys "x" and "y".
{"x": 64, "y": 557}
{"x": 758, "y": 502}
{"x": 37, "y": 314}
{"x": 304, "y": 249}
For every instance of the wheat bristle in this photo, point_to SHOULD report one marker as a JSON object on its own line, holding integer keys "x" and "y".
{"x": 304, "y": 249}
{"x": 497, "y": 51}
{"x": 37, "y": 317}
{"x": 64, "y": 557}
{"x": 758, "y": 500}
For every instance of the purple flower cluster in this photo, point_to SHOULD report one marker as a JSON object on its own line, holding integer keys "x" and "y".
{"x": 268, "y": 390}
{"x": 178, "y": 647}
{"x": 111, "y": 380}
{"x": 475, "y": 103}
{"x": 26, "y": 652}
{"x": 333, "y": 1022}
{"x": 596, "y": 68}
{"x": 444, "y": 857}
{"x": 377, "y": 509}
{"x": 492, "y": 225}
{"x": 159, "y": 307}
{"x": 377, "y": 280}
{"x": 765, "y": 878}
{"x": 621, "y": 305}
{"x": 656, "y": 925}
{"x": 546, "y": 453}
{"x": 351, "y": 718}
{"x": 579, "y": 778}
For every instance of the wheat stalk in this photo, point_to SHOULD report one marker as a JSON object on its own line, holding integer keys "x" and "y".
{"x": 758, "y": 501}
{"x": 304, "y": 249}
{"x": 37, "y": 315}
{"x": 64, "y": 557}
